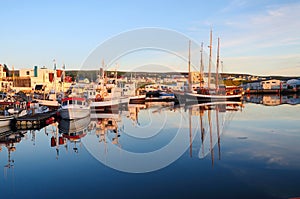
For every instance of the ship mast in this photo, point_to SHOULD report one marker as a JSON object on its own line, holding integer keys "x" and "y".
{"x": 201, "y": 66}
{"x": 217, "y": 68}
{"x": 189, "y": 65}
{"x": 210, "y": 59}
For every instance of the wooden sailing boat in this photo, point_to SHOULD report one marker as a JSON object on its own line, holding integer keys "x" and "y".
{"x": 208, "y": 94}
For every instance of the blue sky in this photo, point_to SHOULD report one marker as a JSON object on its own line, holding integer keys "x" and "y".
{"x": 257, "y": 37}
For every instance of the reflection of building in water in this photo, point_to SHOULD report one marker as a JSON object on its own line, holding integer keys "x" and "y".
{"x": 273, "y": 99}
{"x": 210, "y": 118}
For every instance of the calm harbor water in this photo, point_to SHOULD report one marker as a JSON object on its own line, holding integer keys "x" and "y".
{"x": 160, "y": 151}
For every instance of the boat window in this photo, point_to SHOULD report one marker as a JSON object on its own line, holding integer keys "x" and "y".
{"x": 70, "y": 102}
{"x": 65, "y": 103}
{"x": 79, "y": 102}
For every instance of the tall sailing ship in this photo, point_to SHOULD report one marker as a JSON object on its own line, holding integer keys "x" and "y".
{"x": 207, "y": 94}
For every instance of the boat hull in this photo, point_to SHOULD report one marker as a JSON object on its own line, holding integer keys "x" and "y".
{"x": 109, "y": 106}
{"x": 74, "y": 113}
{"x": 193, "y": 97}
{"x": 5, "y": 121}
{"x": 140, "y": 99}
{"x": 48, "y": 103}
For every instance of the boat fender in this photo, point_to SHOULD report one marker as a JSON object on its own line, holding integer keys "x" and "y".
{"x": 98, "y": 98}
{"x": 53, "y": 141}
{"x": 61, "y": 141}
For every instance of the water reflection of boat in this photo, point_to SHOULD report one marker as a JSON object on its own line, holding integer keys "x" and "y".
{"x": 96, "y": 116}
{"x": 107, "y": 128}
{"x": 70, "y": 126}
{"x": 72, "y": 131}
{"x": 212, "y": 118}
{"x": 9, "y": 139}
{"x": 133, "y": 111}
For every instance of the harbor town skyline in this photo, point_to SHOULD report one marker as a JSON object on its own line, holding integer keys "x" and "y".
{"x": 256, "y": 37}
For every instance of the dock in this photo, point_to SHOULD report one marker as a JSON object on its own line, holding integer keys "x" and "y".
{"x": 36, "y": 121}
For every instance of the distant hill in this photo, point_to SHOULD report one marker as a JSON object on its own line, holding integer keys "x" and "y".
{"x": 92, "y": 74}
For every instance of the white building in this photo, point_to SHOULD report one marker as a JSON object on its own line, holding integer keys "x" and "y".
{"x": 2, "y": 73}
{"x": 273, "y": 84}
{"x": 43, "y": 78}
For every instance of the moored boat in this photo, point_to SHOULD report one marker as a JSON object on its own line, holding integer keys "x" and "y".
{"x": 159, "y": 95}
{"x": 207, "y": 94}
{"x": 139, "y": 99}
{"x": 7, "y": 117}
{"x": 74, "y": 108}
{"x": 190, "y": 97}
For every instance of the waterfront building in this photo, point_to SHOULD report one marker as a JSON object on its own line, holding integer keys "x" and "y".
{"x": 273, "y": 84}
{"x": 2, "y": 72}
{"x": 294, "y": 83}
{"x": 42, "y": 79}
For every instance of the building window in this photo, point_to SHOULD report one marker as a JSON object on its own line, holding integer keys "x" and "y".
{"x": 27, "y": 73}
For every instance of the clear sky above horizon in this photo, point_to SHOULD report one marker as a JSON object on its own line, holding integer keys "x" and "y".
{"x": 257, "y": 37}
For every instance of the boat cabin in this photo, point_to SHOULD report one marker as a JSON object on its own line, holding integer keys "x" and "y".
{"x": 74, "y": 101}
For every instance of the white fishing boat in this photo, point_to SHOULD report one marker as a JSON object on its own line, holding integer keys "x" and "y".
{"x": 5, "y": 120}
{"x": 107, "y": 96}
{"x": 52, "y": 99}
{"x": 74, "y": 108}
{"x": 7, "y": 117}
{"x": 49, "y": 103}
{"x": 112, "y": 105}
